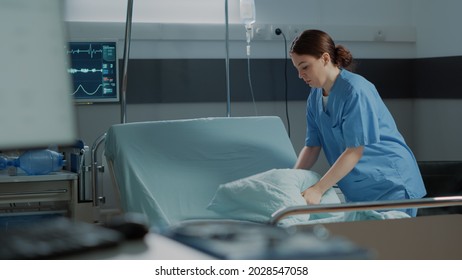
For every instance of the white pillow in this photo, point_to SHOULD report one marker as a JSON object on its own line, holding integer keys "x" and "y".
{"x": 256, "y": 197}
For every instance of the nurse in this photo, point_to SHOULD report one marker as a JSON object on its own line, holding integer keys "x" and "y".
{"x": 347, "y": 119}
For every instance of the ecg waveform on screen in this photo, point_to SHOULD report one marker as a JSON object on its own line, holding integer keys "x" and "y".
{"x": 86, "y": 91}
{"x": 90, "y": 51}
{"x": 84, "y": 70}
{"x": 93, "y": 69}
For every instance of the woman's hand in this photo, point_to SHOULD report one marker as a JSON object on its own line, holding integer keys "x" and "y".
{"x": 344, "y": 164}
{"x": 312, "y": 195}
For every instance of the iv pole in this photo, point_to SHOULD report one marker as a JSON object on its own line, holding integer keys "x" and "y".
{"x": 228, "y": 89}
{"x": 123, "y": 111}
{"x": 128, "y": 31}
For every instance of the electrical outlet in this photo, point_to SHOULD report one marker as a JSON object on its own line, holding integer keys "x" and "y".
{"x": 261, "y": 32}
{"x": 290, "y": 31}
{"x": 274, "y": 36}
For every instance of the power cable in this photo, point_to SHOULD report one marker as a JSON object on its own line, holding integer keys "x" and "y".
{"x": 278, "y": 31}
{"x": 249, "y": 76}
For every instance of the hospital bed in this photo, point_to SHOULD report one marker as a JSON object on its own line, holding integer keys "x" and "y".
{"x": 224, "y": 171}
{"x": 209, "y": 168}
{"x": 170, "y": 170}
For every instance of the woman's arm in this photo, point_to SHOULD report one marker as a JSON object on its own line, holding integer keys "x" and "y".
{"x": 307, "y": 157}
{"x": 342, "y": 166}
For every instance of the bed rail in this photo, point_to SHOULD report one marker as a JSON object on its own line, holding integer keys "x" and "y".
{"x": 94, "y": 170}
{"x": 376, "y": 205}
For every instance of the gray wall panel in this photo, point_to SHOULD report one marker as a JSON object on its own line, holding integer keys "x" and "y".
{"x": 203, "y": 80}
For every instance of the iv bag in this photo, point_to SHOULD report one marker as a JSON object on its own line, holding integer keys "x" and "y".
{"x": 247, "y": 10}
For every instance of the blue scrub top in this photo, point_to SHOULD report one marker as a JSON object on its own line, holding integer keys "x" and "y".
{"x": 355, "y": 115}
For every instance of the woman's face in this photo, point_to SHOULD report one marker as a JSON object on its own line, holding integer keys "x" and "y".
{"x": 311, "y": 69}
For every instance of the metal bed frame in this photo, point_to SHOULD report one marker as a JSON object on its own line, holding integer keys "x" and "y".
{"x": 375, "y": 205}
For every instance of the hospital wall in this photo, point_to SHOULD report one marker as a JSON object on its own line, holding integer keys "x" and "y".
{"x": 437, "y": 128}
{"x": 377, "y": 31}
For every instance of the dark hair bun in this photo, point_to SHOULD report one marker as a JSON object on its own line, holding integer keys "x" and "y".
{"x": 343, "y": 57}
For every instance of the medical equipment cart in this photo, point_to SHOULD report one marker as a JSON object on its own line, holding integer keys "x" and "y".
{"x": 25, "y": 198}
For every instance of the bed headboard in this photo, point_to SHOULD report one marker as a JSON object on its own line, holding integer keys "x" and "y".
{"x": 170, "y": 170}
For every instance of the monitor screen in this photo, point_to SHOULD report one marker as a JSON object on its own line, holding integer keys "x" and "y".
{"x": 94, "y": 71}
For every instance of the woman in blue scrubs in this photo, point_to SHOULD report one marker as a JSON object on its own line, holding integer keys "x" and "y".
{"x": 348, "y": 120}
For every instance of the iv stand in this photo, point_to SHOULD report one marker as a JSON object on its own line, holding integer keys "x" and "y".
{"x": 123, "y": 111}
{"x": 128, "y": 31}
{"x": 228, "y": 89}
